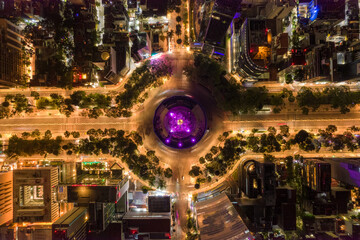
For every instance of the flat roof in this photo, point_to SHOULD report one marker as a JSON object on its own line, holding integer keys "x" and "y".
{"x": 218, "y": 219}
{"x": 145, "y": 215}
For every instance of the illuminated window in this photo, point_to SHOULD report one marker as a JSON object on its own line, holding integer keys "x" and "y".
{"x": 32, "y": 195}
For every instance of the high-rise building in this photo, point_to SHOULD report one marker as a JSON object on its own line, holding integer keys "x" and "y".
{"x": 318, "y": 175}
{"x": 6, "y": 197}
{"x": 12, "y": 68}
{"x": 34, "y": 194}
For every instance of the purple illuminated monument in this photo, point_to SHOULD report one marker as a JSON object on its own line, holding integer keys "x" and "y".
{"x": 179, "y": 122}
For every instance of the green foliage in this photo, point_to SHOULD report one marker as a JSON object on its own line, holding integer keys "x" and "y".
{"x": 22, "y": 147}
{"x": 168, "y": 173}
{"x": 288, "y": 78}
{"x": 148, "y": 75}
{"x": 229, "y": 95}
{"x": 35, "y": 95}
{"x": 338, "y": 97}
{"x": 195, "y": 171}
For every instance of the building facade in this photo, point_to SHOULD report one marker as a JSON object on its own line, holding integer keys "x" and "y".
{"x": 34, "y": 194}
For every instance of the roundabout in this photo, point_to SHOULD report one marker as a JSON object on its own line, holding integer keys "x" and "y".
{"x": 179, "y": 122}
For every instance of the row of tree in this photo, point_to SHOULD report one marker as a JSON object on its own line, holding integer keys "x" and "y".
{"x": 337, "y": 97}
{"x": 221, "y": 158}
{"x": 94, "y": 105}
{"x": 229, "y": 94}
{"x": 233, "y": 97}
{"x": 108, "y": 141}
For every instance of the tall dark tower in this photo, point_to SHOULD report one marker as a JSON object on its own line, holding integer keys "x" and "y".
{"x": 222, "y": 14}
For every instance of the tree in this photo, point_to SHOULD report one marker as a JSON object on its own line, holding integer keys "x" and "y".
{"x": 170, "y": 34}
{"x": 168, "y": 173}
{"x": 178, "y": 19}
{"x": 67, "y": 134}
{"x": 306, "y": 98}
{"x": 75, "y": 134}
{"x": 145, "y": 189}
{"x": 161, "y": 183}
{"x": 195, "y": 171}
{"x": 284, "y": 129}
{"x": 77, "y": 97}
{"x": 136, "y": 137}
{"x": 214, "y": 150}
{"x": 197, "y": 186}
{"x": 331, "y": 129}
{"x": 301, "y": 136}
{"x": 355, "y": 129}
{"x": 288, "y": 78}
{"x": 25, "y": 135}
{"x": 179, "y": 41}
{"x": 272, "y": 130}
{"x": 177, "y": 10}
{"x": 5, "y": 104}
{"x": 299, "y": 74}
{"x": 35, "y": 134}
{"x": 178, "y": 30}
{"x": 48, "y": 134}
{"x": 35, "y": 95}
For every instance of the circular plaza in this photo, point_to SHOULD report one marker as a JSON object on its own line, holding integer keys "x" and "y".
{"x": 179, "y": 122}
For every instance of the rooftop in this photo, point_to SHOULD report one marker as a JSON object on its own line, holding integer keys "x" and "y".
{"x": 218, "y": 219}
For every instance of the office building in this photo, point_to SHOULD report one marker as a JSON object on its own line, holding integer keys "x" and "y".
{"x": 12, "y": 68}
{"x": 6, "y": 197}
{"x": 318, "y": 175}
{"x": 34, "y": 194}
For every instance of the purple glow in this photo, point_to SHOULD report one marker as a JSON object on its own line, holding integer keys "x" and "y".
{"x": 180, "y": 121}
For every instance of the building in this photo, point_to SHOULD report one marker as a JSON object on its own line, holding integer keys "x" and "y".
{"x": 279, "y": 9}
{"x": 105, "y": 197}
{"x": 257, "y": 183}
{"x": 218, "y": 219}
{"x": 346, "y": 171}
{"x": 285, "y": 208}
{"x": 325, "y": 12}
{"x": 38, "y": 231}
{"x": 34, "y": 194}
{"x": 318, "y": 175}
{"x": 147, "y": 225}
{"x": 253, "y": 55}
{"x": 221, "y": 16}
{"x": 153, "y": 8}
{"x": 12, "y": 68}
{"x": 159, "y": 203}
{"x": 6, "y": 199}
{"x": 72, "y": 225}
{"x": 151, "y": 220}
{"x": 116, "y": 42}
